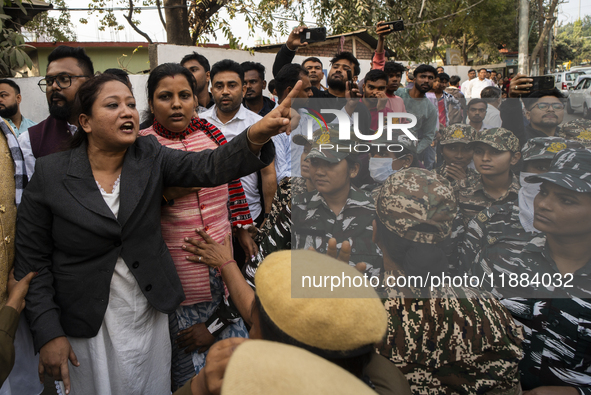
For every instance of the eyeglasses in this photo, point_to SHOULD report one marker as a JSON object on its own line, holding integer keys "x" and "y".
{"x": 64, "y": 80}
{"x": 546, "y": 106}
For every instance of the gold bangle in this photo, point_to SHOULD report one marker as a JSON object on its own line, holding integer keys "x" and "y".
{"x": 252, "y": 142}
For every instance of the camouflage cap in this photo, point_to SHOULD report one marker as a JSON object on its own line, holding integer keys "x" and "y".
{"x": 327, "y": 145}
{"x": 570, "y": 168}
{"x": 546, "y": 147}
{"x": 300, "y": 139}
{"x": 398, "y": 137}
{"x": 578, "y": 130}
{"x": 414, "y": 197}
{"x": 498, "y": 138}
{"x": 457, "y": 133}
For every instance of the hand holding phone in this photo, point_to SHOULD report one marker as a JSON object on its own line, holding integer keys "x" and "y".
{"x": 384, "y": 28}
{"x": 314, "y": 35}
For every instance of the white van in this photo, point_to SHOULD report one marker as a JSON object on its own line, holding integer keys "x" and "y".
{"x": 565, "y": 79}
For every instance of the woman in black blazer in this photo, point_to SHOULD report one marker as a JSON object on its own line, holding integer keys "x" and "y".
{"x": 94, "y": 211}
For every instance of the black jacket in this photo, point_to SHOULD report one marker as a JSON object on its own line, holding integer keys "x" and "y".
{"x": 67, "y": 233}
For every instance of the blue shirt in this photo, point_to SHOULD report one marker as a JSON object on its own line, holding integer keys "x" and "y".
{"x": 26, "y": 123}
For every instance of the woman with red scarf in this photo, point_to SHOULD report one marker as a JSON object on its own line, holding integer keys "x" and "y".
{"x": 206, "y": 315}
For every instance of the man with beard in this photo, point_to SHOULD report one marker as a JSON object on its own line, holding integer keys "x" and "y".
{"x": 543, "y": 109}
{"x": 314, "y": 68}
{"x": 337, "y": 76}
{"x": 254, "y": 79}
{"x": 417, "y": 104}
{"x": 334, "y": 97}
{"x": 67, "y": 69}
{"x": 198, "y": 65}
{"x": 10, "y": 100}
{"x": 231, "y": 118}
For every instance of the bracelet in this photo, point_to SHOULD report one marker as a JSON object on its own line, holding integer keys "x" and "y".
{"x": 252, "y": 142}
{"x": 221, "y": 267}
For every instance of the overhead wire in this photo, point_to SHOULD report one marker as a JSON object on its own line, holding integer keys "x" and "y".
{"x": 275, "y": 16}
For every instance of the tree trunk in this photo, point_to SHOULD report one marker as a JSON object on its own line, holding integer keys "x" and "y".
{"x": 540, "y": 29}
{"x": 547, "y": 26}
{"x": 177, "y": 22}
{"x": 464, "y": 51}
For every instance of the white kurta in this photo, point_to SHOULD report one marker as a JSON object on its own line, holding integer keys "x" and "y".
{"x": 131, "y": 353}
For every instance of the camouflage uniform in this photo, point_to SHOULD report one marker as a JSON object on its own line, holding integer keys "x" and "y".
{"x": 557, "y": 323}
{"x": 503, "y": 220}
{"x": 298, "y": 185}
{"x": 278, "y": 238}
{"x": 314, "y": 223}
{"x": 282, "y": 197}
{"x": 578, "y": 130}
{"x": 474, "y": 199}
{"x": 456, "y": 340}
{"x": 415, "y": 197}
{"x": 458, "y": 133}
{"x": 556, "y": 319}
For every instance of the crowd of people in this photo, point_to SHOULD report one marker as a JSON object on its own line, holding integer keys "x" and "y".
{"x": 150, "y": 252}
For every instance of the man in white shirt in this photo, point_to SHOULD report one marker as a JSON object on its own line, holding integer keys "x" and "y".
{"x": 465, "y": 84}
{"x": 476, "y": 114}
{"x": 492, "y": 96}
{"x": 476, "y": 85}
{"x": 231, "y": 118}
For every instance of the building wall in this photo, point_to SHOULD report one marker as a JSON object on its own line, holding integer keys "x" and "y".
{"x": 105, "y": 57}
{"x": 34, "y": 104}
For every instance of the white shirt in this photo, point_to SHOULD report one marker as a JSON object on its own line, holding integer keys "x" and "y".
{"x": 483, "y": 127}
{"x": 464, "y": 87}
{"x": 25, "y": 143}
{"x": 476, "y": 86}
{"x": 241, "y": 121}
{"x": 493, "y": 117}
{"x": 131, "y": 353}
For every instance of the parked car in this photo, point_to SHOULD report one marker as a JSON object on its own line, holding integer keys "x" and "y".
{"x": 586, "y": 70}
{"x": 565, "y": 79}
{"x": 580, "y": 97}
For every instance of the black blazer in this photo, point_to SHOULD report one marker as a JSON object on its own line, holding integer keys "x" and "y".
{"x": 67, "y": 233}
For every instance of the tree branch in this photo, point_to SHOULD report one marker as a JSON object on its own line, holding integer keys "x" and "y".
{"x": 160, "y": 13}
{"x": 204, "y": 10}
{"x": 547, "y": 26}
{"x": 130, "y": 21}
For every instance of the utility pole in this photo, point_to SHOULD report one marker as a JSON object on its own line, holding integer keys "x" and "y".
{"x": 523, "y": 36}
{"x": 549, "y": 62}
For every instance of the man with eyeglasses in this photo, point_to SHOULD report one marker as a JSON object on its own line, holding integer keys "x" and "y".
{"x": 68, "y": 68}
{"x": 543, "y": 109}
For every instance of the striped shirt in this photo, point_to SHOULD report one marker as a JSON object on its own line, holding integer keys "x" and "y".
{"x": 206, "y": 209}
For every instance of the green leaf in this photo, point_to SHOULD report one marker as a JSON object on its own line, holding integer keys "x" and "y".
{"x": 20, "y": 59}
